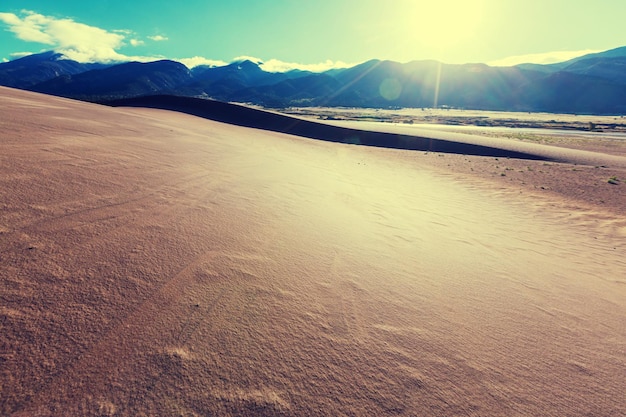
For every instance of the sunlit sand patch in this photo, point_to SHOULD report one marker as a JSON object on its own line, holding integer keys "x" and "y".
{"x": 12, "y": 313}
{"x": 398, "y": 330}
{"x": 285, "y": 293}
{"x": 179, "y": 352}
{"x": 107, "y": 408}
{"x": 264, "y": 399}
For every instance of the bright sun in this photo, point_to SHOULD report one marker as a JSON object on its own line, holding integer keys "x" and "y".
{"x": 443, "y": 23}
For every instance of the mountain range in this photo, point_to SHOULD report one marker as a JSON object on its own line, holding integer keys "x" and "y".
{"x": 594, "y": 83}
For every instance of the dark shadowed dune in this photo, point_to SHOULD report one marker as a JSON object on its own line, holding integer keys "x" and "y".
{"x": 260, "y": 119}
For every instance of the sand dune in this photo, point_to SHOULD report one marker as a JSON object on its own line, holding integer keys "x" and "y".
{"x": 156, "y": 263}
{"x": 384, "y": 135}
{"x": 250, "y": 117}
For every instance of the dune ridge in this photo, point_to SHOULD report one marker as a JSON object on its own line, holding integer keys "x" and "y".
{"x": 260, "y": 119}
{"x": 370, "y": 134}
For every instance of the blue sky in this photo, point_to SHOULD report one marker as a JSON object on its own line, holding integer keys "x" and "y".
{"x": 312, "y": 34}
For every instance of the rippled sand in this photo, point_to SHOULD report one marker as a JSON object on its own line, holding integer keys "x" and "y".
{"x": 154, "y": 263}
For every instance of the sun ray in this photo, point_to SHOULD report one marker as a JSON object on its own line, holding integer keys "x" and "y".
{"x": 442, "y": 24}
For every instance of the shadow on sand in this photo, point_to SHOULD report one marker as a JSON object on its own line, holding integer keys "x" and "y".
{"x": 260, "y": 119}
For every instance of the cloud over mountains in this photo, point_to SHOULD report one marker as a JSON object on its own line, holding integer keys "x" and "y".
{"x": 541, "y": 58}
{"x": 87, "y": 44}
{"x": 77, "y": 41}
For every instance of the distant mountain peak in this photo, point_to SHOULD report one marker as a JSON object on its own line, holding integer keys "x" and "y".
{"x": 248, "y": 62}
{"x": 594, "y": 83}
{"x": 40, "y": 57}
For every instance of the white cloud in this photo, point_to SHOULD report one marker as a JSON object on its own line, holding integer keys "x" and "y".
{"x": 76, "y": 41}
{"x": 198, "y": 60}
{"x": 20, "y": 54}
{"x": 158, "y": 38}
{"x": 542, "y": 58}
{"x": 272, "y": 65}
{"x": 31, "y": 28}
{"x": 242, "y": 58}
{"x": 275, "y": 65}
{"x": 84, "y": 43}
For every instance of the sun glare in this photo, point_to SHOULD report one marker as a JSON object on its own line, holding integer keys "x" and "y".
{"x": 443, "y": 23}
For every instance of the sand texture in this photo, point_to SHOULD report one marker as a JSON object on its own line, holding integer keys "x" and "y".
{"x": 157, "y": 263}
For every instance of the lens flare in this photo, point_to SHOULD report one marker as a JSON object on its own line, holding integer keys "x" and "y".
{"x": 390, "y": 89}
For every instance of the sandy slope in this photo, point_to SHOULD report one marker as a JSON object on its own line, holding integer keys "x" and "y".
{"x": 153, "y": 263}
